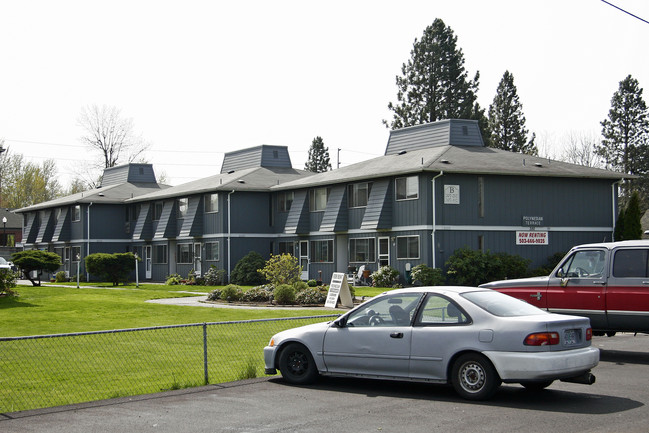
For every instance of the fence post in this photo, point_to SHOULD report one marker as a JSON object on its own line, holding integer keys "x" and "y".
{"x": 205, "y": 352}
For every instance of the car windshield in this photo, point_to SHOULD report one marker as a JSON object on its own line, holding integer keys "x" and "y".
{"x": 501, "y": 305}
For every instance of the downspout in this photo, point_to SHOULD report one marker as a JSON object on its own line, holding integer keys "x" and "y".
{"x": 88, "y": 247}
{"x": 441, "y": 173}
{"x": 614, "y": 207}
{"x": 229, "y": 236}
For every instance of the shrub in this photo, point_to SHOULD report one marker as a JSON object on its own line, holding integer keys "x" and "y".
{"x": 245, "y": 272}
{"x": 386, "y": 276}
{"x": 282, "y": 269}
{"x": 200, "y": 281}
{"x": 215, "y": 277}
{"x": 300, "y": 285}
{"x": 8, "y": 280}
{"x": 60, "y": 277}
{"x": 257, "y": 294}
{"x": 231, "y": 292}
{"x": 468, "y": 267}
{"x": 284, "y": 294}
{"x": 310, "y": 295}
{"x": 111, "y": 267}
{"x": 312, "y": 283}
{"x": 549, "y": 266}
{"x": 427, "y": 276}
{"x": 173, "y": 280}
{"x": 36, "y": 260}
{"x": 214, "y": 295}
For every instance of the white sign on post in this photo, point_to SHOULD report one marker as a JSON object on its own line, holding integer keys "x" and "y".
{"x": 339, "y": 287}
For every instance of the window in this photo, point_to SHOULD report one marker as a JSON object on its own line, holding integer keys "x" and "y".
{"x": 157, "y": 210}
{"x": 407, "y": 187}
{"x": 630, "y": 263}
{"x": 287, "y": 248}
{"x": 160, "y": 254}
{"x": 76, "y": 213}
{"x": 182, "y": 207}
{"x": 284, "y": 201}
{"x": 211, "y": 203}
{"x": 407, "y": 247}
{"x": 212, "y": 251}
{"x": 76, "y": 254}
{"x": 587, "y": 263}
{"x": 318, "y": 199}
{"x": 362, "y": 250}
{"x": 358, "y": 194}
{"x": 481, "y": 197}
{"x": 438, "y": 310}
{"x": 322, "y": 251}
{"x": 395, "y": 310}
{"x": 184, "y": 253}
{"x": 57, "y": 214}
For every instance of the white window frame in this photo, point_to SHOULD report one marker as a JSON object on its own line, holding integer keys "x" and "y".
{"x": 410, "y": 182}
{"x": 313, "y": 249}
{"x": 371, "y": 250}
{"x": 183, "y": 205}
{"x": 359, "y": 194}
{"x": 189, "y": 247}
{"x": 315, "y": 199}
{"x": 211, "y": 203}
{"x": 76, "y": 213}
{"x": 212, "y": 251}
{"x": 402, "y": 238}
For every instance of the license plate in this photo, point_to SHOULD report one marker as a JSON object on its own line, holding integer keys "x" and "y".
{"x": 571, "y": 337}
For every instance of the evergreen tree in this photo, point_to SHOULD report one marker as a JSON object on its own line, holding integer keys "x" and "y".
{"x": 632, "y": 215}
{"x": 434, "y": 84}
{"x": 625, "y": 142}
{"x": 318, "y": 160}
{"x": 506, "y": 120}
{"x": 618, "y": 233}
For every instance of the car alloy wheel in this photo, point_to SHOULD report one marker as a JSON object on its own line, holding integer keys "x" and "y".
{"x": 296, "y": 364}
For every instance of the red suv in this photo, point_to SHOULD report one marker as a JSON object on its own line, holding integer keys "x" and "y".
{"x": 606, "y": 282}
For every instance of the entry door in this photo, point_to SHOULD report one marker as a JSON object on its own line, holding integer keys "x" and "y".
{"x": 197, "y": 259}
{"x": 384, "y": 251}
{"x": 304, "y": 259}
{"x": 147, "y": 261}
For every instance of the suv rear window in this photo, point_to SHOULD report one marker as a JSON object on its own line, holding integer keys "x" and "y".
{"x": 630, "y": 263}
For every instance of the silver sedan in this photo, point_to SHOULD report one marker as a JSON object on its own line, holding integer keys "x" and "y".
{"x": 472, "y": 338}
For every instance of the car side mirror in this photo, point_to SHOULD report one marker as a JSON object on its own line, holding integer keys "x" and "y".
{"x": 561, "y": 273}
{"x": 340, "y": 322}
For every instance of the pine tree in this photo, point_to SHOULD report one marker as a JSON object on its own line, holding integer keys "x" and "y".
{"x": 632, "y": 215}
{"x": 434, "y": 84}
{"x": 318, "y": 159}
{"x": 625, "y": 142}
{"x": 507, "y": 121}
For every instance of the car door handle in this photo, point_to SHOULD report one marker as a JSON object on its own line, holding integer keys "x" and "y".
{"x": 602, "y": 282}
{"x": 396, "y": 335}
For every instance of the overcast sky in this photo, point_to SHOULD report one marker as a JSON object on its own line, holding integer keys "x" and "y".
{"x": 200, "y": 78}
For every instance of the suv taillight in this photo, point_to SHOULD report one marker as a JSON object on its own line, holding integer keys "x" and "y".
{"x": 589, "y": 334}
{"x": 542, "y": 339}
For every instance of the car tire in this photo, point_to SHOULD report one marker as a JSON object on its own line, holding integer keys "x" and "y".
{"x": 537, "y": 385}
{"x": 297, "y": 365}
{"x": 474, "y": 377}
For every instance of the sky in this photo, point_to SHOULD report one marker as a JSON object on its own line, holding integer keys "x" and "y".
{"x": 202, "y": 78}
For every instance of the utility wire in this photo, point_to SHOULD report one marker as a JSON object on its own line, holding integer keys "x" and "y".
{"x": 626, "y": 12}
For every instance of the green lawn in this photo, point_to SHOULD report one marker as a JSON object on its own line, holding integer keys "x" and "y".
{"x": 42, "y": 372}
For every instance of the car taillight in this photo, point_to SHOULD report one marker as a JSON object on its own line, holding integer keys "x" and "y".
{"x": 589, "y": 334}
{"x": 542, "y": 339}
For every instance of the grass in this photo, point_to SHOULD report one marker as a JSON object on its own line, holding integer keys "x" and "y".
{"x": 55, "y": 371}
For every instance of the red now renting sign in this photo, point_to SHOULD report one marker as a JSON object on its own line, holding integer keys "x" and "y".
{"x": 531, "y": 238}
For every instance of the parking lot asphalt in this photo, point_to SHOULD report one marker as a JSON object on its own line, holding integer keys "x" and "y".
{"x": 616, "y": 402}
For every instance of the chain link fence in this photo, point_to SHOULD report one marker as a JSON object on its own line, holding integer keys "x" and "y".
{"x": 54, "y": 370}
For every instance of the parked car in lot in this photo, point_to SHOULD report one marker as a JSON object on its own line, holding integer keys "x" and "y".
{"x": 606, "y": 282}
{"x": 472, "y": 338}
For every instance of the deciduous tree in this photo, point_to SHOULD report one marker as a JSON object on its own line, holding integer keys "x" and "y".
{"x": 36, "y": 260}
{"x": 25, "y": 183}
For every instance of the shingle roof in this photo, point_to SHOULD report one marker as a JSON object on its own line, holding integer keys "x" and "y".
{"x": 250, "y": 179}
{"x": 453, "y": 159}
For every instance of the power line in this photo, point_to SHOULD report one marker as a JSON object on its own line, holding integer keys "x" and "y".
{"x": 626, "y": 12}
{"x": 84, "y": 146}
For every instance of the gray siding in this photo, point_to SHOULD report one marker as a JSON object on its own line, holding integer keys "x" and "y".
{"x": 134, "y": 173}
{"x": 444, "y": 132}
{"x": 297, "y": 220}
{"x": 260, "y": 156}
{"x": 335, "y": 216}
